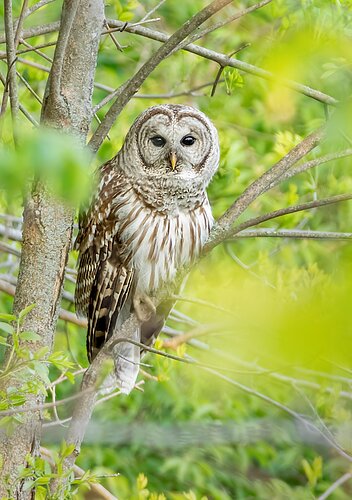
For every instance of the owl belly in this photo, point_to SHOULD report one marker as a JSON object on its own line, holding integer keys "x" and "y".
{"x": 159, "y": 244}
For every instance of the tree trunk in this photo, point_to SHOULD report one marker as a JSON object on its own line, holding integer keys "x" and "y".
{"x": 47, "y": 225}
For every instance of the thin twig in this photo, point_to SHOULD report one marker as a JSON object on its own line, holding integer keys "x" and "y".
{"x": 46, "y": 406}
{"x": 286, "y": 409}
{"x": 111, "y": 35}
{"x": 229, "y": 20}
{"x": 31, "y": 90}
{"x": 339, "y": 482}
{"x": 23, "y": 111}
{"x": 188, "y": 337}
{"x": 203, "y": 303}
{"x": 292, "y": 233}
{"x": 38, "y": 5}
{"x": 221, "y": 69}
{"x": 43, "y": 29}
{"x": 303, "y": 167}
{"x": 36, "y": 50}
{"x": 290, "y": 210}
{"x": 148, "y": 14}
{"x": 170, "y": 95}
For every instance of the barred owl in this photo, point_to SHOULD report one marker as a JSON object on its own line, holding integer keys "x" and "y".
{"x": 150, "y": 216}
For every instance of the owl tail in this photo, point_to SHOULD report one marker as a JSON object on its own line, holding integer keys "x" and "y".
{"x": 127, "y": 361}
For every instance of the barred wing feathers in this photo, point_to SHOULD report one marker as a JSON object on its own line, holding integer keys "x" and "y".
{"x": 110, "y": 290}
{"x": 103, "y": 282}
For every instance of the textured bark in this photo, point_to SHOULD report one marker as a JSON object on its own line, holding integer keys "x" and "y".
{"x": 47, "y": 226}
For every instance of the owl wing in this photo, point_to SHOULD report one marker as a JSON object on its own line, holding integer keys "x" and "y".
{"x": 104, "y": 282}
{"x": 110, "y": 290}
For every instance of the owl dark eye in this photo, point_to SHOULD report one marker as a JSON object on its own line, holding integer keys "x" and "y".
{"x": 188, "y": 140}
{"x": 158, "y": 141}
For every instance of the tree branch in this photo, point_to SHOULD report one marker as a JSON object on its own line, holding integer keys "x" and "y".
{"x": 69, "y": 12}
{"x": 11, "y": 64}
{"x": 10, "y": 289}
{"x": 20, "y": 21}
{"x": 21, "y": 107}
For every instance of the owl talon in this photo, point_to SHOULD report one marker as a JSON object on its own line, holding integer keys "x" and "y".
{"x": 143, "y": 307}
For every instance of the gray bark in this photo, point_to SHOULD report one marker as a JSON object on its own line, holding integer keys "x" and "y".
{"x": 47, "y": 226}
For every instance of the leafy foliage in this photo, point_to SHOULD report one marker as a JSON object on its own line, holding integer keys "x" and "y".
{"x": 281, "y": 323}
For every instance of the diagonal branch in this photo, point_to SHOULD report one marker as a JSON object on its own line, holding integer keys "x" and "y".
{"x": 22, "y": 109}
{"x": 339, "y": 482}
{"x": 37, "y": 6}
{"x": 303, "y": 167}
{"x": 222, "y": 230}
{"x": 11, "y": 64}
{"x": 221, "y": 24}
{"x": 20, "y": 22}
{"x": 68, "y": 14}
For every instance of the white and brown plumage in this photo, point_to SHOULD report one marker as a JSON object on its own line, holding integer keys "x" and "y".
{"x": 150, "y": 216}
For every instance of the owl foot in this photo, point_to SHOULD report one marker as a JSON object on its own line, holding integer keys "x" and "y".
{"x": 143, "y": 307}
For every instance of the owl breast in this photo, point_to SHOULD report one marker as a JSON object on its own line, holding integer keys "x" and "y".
{"x": 159, "y": 243}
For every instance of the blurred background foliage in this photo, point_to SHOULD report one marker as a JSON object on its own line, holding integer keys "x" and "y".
{"x": 281, "y": 323}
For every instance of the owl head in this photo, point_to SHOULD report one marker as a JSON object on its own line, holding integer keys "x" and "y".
{"x": 173, "y": 143}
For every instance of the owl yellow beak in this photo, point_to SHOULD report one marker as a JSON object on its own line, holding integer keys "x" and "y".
{"x": 173, "y": 160}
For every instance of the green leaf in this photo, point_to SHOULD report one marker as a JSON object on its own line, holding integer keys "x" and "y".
{"x": 25, "y": 311}
{"x": 34, "y": 337}
{"x": 17, "y": 399}
{"x": 42, "y": 480}
{"x": 42, "y": 371}
{"x": 66, "y": 450}
{"x": 6, "y": 327}
{"x": 4, "y": 421}
{"x": 3, "y": 341}
{"x": 313, "y": 471}
{"x": 60, "y": 360}
{"x": 70, "y": 377}
{"x": 40, "y": 493}
{"x": 28, "y": 485}
{"x": 42, "y": 352}
{"x": 7, "y": 317}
